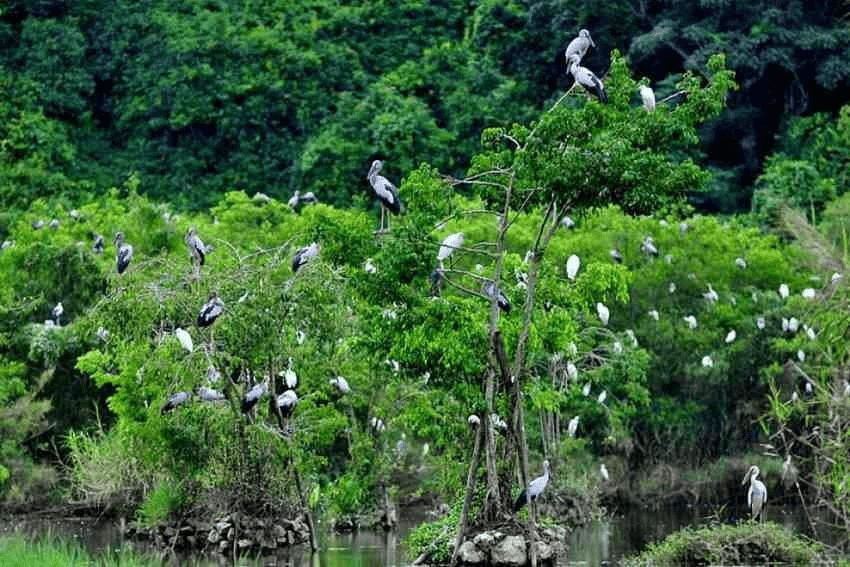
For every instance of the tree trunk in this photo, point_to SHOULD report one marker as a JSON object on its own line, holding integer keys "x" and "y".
{"x": 470, "y": 489}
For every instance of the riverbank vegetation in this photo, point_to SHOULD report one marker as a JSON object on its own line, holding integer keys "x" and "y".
{"x": 677, "y": 337}
{"x": 18, "y": 551}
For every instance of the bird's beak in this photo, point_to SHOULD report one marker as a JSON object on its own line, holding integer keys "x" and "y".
{"x": 591, "y": 42}
{"x": 747, "y": 476}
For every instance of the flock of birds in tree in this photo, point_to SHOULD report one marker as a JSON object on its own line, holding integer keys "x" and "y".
{"x": 387, "y": 194}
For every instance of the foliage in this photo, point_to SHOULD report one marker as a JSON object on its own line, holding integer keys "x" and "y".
{"x": 749, "y": 543}
{"x": 50, "y": 552}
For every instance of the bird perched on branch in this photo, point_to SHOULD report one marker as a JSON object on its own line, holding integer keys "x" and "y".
{"x": 253, "y": 396}
{"x": 757, "y": 494}
{"x": 385, "y": 191}
{"x": 286, "y": 403}
{"x": 648, "y": 97}
{"x": 123, "y": 252}
{"x": 196, "y": 249}
{"x": 491, "y": 291}
{"x": 210, "y": 310}
{"x": 174, "y": 400}
{"x": 304, "y": 255}
{"x": 534, "y": 490}
{"x": 579, "y": 46}
{"x": 586, "y": 78}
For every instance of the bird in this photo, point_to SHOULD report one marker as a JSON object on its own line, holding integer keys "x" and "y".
{"x": 573, "y": 263}
{"x": 730, "y": 336}
{"x": 811, "y": 333}
{"x": 573, "y": 426}
{"x": 567, "y": 222}
{"x": 648, "y": 97}
{"x": 303, "y": 255}
{"x": 377, "y": 424}
{"x": 98, "y": 244}
{"x": 341, "y": 384}
{"x": 572, "y": 371}
{"x": 210, "y": 311}
{"x": 578, "y": 46}
{"x": 102, "y": 334}
{"x": 683, "y": 227}
{"x": 808, "y": 293}
{"x": 369, "y": 266}
{"x": 209, "y": 395}
{"x": 123, "y": 253}
{"x": 196, "y": 247}
{"x": 603, "y": 313}
{"x": 586, "y": 78}
{"x": 615, "y": 255}
{"x": 691, "y": 321}
{"x": 603, "y": 470}
{"x": 602, "y": 396}
{"x": 436, "y": 278}
{"x": 783, "y": 291}
{"x": 261, "y": 197}
{"x": 672, "y": 287}
{"x": 174, "y": 400}
{"x": 289, "y": 377}
{"x": 253, "y": 396}
{"x": 711, "y": 295}
{"x": 37, "y": 225}
{"x": 448, "y": 246}
{"x": 585, "y": 391}
{"x": 741, "y": 263}
{"x": 631, "y": 334}
{"x": 473, "y": 420}
{"x": 801, "y": 356}
{"x": 491, "y": 291}
{"x": 760, "y": 322}
{"x": 57, "y": 312}
{"x": 648, "y": 246}
{"x": 757, "y": 494}
{"x": 286, "y": 403}
{"x": 707, "y": 362}
{"x": 793, "y": 324}
{"x": 654, "y": 314}
{"x": 308, "y": 198}
{"x": 534, "y": 490}
{"x": 385, "y": 191}
{"x": 185, "y": 339}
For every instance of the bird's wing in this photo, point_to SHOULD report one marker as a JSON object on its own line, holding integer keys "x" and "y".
{"x": 385, "y": 190}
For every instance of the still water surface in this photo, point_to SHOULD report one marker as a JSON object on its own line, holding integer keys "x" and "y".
{"x": 600, "y": 543}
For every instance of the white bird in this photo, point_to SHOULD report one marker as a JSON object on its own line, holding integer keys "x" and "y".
{"x": 586, "y": 390}
{"x": 683, "y": 227}
{"x": 385, "y": 191}
{"x": 304, "y": 255}
{"x": 54, "y": 224}
{"x": 185, "y": 339}
{"x": 760, "y": 322}
{"x": 811, "y": 333}
{"x": 341, "y": 383}
{"x": 602, "y": 396}
{"x": 691, "y": 321}
{"x": 711, "y": 295}
{"x": 631, "y": 334}
{"x": 377, "y": 424}
{"x": 654, "y": 314}
{"x": 784, "y": 325}
{"x": 369, "y": 266}
{"x": 586, "y": 78}
{"x": 757, "y": 494}
{"x": 801, "y": 355}
{"x": 210, "y": 311}
{"x": 449, "y": 244}
{"x": 615, "y": 255}
{"x": 647, "y": 95}
{"x": 707, "y": 362}
{"x": 579, "y": 46}
{"x": 648, "y": 246}
{"x": 102, "y": 334}
{"x": 783, "y": 291}
{"x": 473, "y": 420}
{"x": 573, "y": 264}
{"x": 603, "y": 470}
{"x": 573, "y": 426}
{"x": 572, "y": 371}
{"x": 290, "y": 378}
{"x": 808, "y": 293}
{"x": 730, "y": 336}
{"x": 567, "y": 222}
{"x": 123, "y": 252}
{"x": 835, "y": 277}
{"x": 671, "y": 288}
{"x": 603, "y": 313}
{"x": 534, "y": 490}
{"x": 618, "y": 347}
{"x": 793, "y": 324}
{"x": 497, "y": 422}
{"x": 300, "y": 337}
{"x": 794, "y": 396}
{"x": 57, "y": 312}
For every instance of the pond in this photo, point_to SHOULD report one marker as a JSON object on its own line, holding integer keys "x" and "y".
{"x": 600, "y": 543}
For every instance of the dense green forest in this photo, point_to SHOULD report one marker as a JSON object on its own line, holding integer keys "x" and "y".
{"x": 718, "y": 324}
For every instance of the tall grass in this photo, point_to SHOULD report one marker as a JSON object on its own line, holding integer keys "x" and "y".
{"x": 18, "y": 551}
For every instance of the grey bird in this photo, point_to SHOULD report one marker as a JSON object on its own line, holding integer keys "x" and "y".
{"x": 286, "y": 403}
{"x": 587, "y": 79}
{"x": 303, "y": 255}
{"x": 757, "y": 494}
{"x": 491, "y": 291}
{"x": 253, "y": 396}
{"x": 174, "y": 400}
{"x": 534, "y": 490}
{"x": 210, "y": 310}
{"x": 123, "y": 254}
{"x": 385, "y": 191}
{"x": 209, "y": 395}
{"x": 579, "y": 46}
{"x": 196, "y": 246}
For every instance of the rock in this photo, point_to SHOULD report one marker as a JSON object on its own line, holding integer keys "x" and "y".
{"x": 469, "y": 554}
{"x": 544, "y": 551}
{"x": 214, "y": 536}
{"x": 243, "y": 543}
{"x": 484, "y": 540}
{"x": 510, "y": 552}
{"x": 279, "y": 533}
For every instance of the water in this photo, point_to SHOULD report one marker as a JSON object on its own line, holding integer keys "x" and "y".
{"x": 600, "y": 543}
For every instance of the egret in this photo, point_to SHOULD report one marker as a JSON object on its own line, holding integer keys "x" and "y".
{"x": 618, "y": 347}
{"x": 448, "y": 246}
{"x": 757, "y": 494}
{"x": 573, "y": 426}
{"x": 578, "y": 46}
{"x": 210, "y": 311}
{"x": 341, "y": 384}
{"x": 707, "y": 362}
{"x": 631, "y": 334}
{"x": 648, "y": 246}
{"x": 37, "y": 225}
{"x": 209, "y": 395}
{"x": 801, "y": 356}
{"x": 377, "y": 424}
{"x": 473, "y": 420}
{"x": 585, "y": 391}
{"x": 711, "y": 295}
{"x": 98, "y": 244}
{"x": 793, "y": 324}
{"x": 835, "y": 277}
{"x": 102, "y": 334}
{"x": 760, "y": 322}
{"x": 196, "y": 248}
{"x": 730, "y": 336}
{"x": 252, "y": 396}
{"x": 808, "y": 293}
{"x": 572, "y": 371}
{"x": 491, "y": 291}
{"x": 57, "y": 312}
{"x": 603, "y": 470}
{"x": 741, "y": 263}
{"x": 603, "y": 313}
{"x": 308, "y": 198}
{"x": 647, "y": 95}
{"x": 783, "y": 291}
{"x": 602, "y": 396}
{"x": 683, "y": 227}
{"x": 654, "y": 314}
{"x": 808, "y": 389}
{"x": 567, "y": 222}
{"x": 123, "y": 253}
{"x": 615, "y": 255}
{"x": 385, "y": 191}
{"x": 185, "y": 339}
{"x": 261, "y": 197}
{"x": 286, "y": 403}
{"x": 497, "y": 422}
{"x": 304, "y": 255}
{"x": 534, "y": 490}
{"x": 586, "y": 78}
{"x": 691, "y": 321}
{"x": 811, "y": 333}
{"x": 671, "y": 288}
{"x": 369, "y": 266}
{"x": 289, "y": 377}
{"x": 785, "y": 324}
{"x": 573, "y": 263}
{"x": 54, "y": 224}
{"x": 174, "y": 400}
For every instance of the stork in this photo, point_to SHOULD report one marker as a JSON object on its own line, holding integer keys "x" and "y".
{"x": 491, "y": 291}
{"x": 385, "y": 191}
{"x": 304, "y": 255}
{"x": 174, "y": 400}
{"x": 586, "y": 78}
{"x": 196, "y": 248}
{"x": 757, "y": 494}
{"x": 210, "y": 310}
{"x": 579, "y": 46}
{"x": 123, "y": 252}
{"x": 534, "y": 490}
